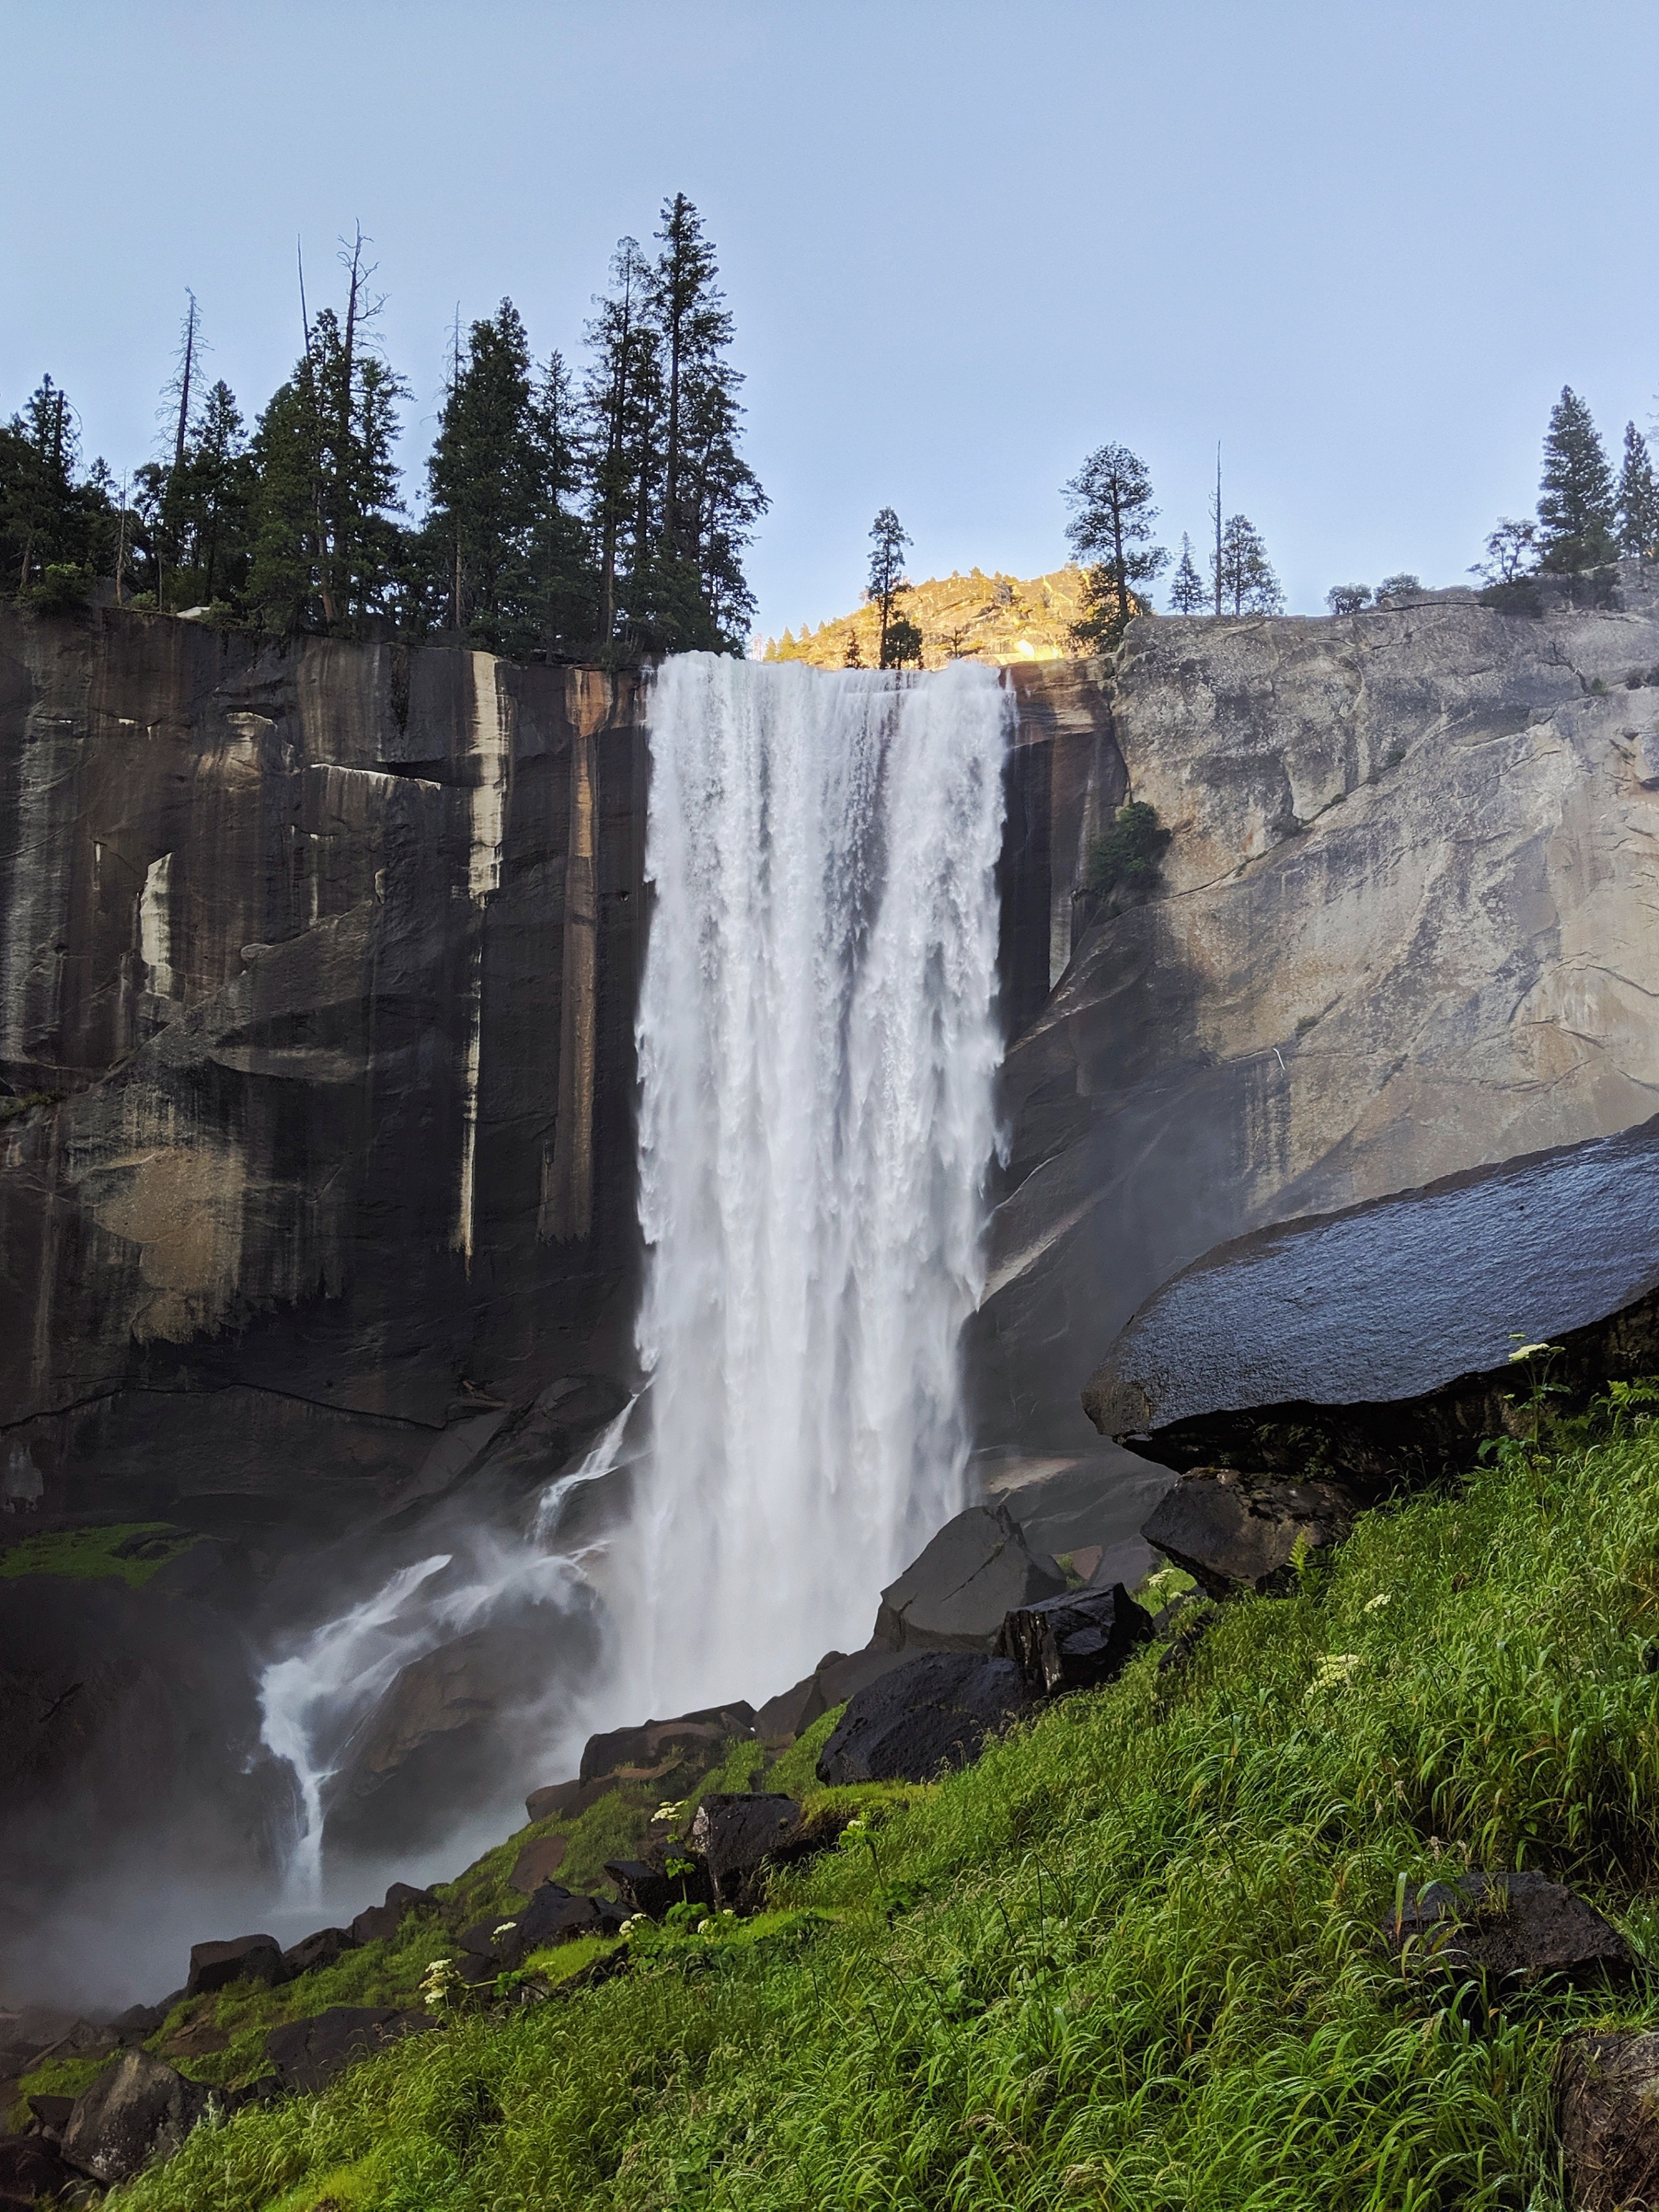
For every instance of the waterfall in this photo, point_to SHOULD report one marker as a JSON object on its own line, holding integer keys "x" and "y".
{"x": 818, "y": 1048}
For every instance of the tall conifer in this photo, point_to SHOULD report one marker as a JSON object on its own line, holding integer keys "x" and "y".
{"x": 1110, "y": 531}
{"x": 1576, "y": 502}
{"x": 1637, "y": 498}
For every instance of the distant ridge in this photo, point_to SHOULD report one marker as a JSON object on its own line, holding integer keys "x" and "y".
{"x": 994, "y": 618}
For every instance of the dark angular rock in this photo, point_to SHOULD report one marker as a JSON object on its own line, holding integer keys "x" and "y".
{"x": 1520, "y": 1928}
{"x": 611, "y": 1915}
{"x": 567, "y": 1800}
{"x": 930, "y": 1714}
{"x": 843, "y": 1675}
{"x": 735, "y": 1832}
{"x": 1235, "y": 1532}
{"x": 647, "y": 1887}
{"x": 1606, "y": 2100}
{"x": 643, "y": 1888}
{"x": 376, "y": 1923}
{"x": 31, "y": 2169}
{"x": 51, "y": 2114}
{"x": 307, "y": 2053}
{"x": 138, "y": 2022}
{"x": 242, "y": 1959}
{"x": 406, "y": 1898}
{"x": 792, "y": 1711}
{"x": 538, "y": 1862}
{"x": 648, "y": 1752}
{"x": 313, "y": 1953}
{"x": 1074, "y": 1642}
{"x": 956, "y": 1594}
{"x": 137, "y": 2110}
{"x": 552, "y": 1916}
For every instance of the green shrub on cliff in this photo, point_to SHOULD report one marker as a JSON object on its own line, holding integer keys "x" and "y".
{"x": 1131, "y": 1957}
{"x": 1125, "y": 857}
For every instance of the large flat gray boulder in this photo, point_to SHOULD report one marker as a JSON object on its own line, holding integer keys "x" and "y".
{"x": 1377, "y": 1342}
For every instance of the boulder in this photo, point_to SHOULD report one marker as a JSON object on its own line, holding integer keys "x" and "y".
{"x": 552, "y": 1916}
{"x": 648, "y": 1753}
{"x": 735, "y": 1832}
{"x": 1518, "y": 1927}
{"x": 30, "y": 2169}
{"x": 1235, "y": 1532}
{"x": 1074, "y": 1642}
{"x": 538, "y": 1862}
{"x": 241, "y": 1959}
{"x": 375, "y": 1924}
{"x": 645, "y": 1885}
{"x": 407, "y": 1897}
{"x": 137, "y": 2110}
{"x": 138, "y": 2022}
{"x": 51, "y": 2114}
{"x": 929, "y": 1714}
{"x": 792, "y": 1711}
{"x": 954, "y": 1594}
{"x": 1608, "y": 2114}
{"x": 567, "y": 1800}
{"x": 644, "y": 1888}
{"x": 305, "y": 2054}
{"x": 313, "y": 1953}
{"x": 841, "y": 1676}
{"x": 1381, "y": 1335}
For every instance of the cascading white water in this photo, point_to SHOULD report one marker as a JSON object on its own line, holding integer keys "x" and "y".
{"x": 312, "y": 1703}
{"x": 817, "y": 1053}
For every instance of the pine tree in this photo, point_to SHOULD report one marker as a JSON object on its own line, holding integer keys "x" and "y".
{"x": 1112, "y": 494}
{"x": 1576, "y": 503}
{"x": 621, "y": 402}
{"x": 1244, "y": 582}
{"x": 1187, "y": 594}
{"x": 484, "y": 491}
{"x": 327, "y": 551}
{"x": 1637, "y": 499}
{"x": 50, "y": 517}
{"x": 560, "y": 561}
{"x": 888, "y": 539}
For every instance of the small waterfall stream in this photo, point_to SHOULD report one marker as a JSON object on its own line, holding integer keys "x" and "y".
{"x": 817, "y": 1051}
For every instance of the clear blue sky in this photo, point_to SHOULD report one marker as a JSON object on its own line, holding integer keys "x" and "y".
{"x": 1362, "y": 246}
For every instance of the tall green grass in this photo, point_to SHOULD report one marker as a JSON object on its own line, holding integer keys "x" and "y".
{"x": 1131, "y": 1957}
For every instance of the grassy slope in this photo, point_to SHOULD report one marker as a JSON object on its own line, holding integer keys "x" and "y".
{"x": 1129, "y": 1958}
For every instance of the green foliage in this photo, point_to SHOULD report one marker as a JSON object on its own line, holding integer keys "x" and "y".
{"x": 1125, "y": 857}
{"x": 1243, "y": 576}
{"x": 1130, "y": 1957}
{"x": 1187, "y": 594}
{"x": 1635, "y": 502}
{"x": 901, "y": 643}
{"x": 89, "y": 1554}
{"x": 1576, "y": 504}
{"x": 1111, "y": 531}
{"x": 794, "y": 1770}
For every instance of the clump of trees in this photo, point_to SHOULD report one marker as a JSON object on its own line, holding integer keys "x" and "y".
{"x": 599, "y": 514}
{"x": 1124, "y": 860}
{"x": 1587, "y": 514}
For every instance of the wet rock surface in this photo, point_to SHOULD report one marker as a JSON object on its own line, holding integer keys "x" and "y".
{"x": 137, "y": 2110}
{"x": 306, "y": 2054}
{"x": 653, "y": 1750}
{"x": 1234, "y": 1532}
{"x": 1518, "y": 1927}
{"x": 1377, "y": 1341}
{"x": 1607, "y": 2114}
{"x": 735, "y": 1833}
{"x": 1075, "y": 1642}
{"x": 930, "y": 1714}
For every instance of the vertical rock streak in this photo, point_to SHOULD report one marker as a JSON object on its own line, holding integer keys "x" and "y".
{"x": 818, "y": 1054}
{"x": 492, "y": 750}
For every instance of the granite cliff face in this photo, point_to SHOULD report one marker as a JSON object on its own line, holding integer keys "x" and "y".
{"x": 1406, "y": 930}
{"x": 321, "y": 967}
